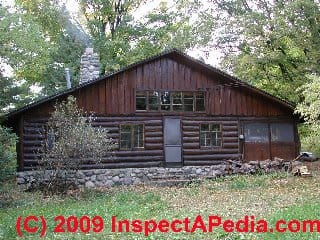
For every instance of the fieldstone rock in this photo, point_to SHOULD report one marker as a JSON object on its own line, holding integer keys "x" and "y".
{"x": 198, "y": 171}
{"x": 115, "y": 179}
{"x": 89, "y": 184}
{"x": 127, "y": 181}
{"x": 20, "y": 181}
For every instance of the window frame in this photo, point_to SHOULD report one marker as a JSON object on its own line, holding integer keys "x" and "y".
{"x": 132, "y": 136}
{"x": 211, "y": 133}
{"x": 160, "y": 106}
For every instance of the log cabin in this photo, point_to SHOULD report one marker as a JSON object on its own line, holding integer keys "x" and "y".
{"x": 170, "y": 110}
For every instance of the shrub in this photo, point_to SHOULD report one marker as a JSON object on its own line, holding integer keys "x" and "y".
{"x": 7, "y": 153}
{"x": 71, "y": 142}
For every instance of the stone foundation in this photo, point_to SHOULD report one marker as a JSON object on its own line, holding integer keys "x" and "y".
{"x": 161, "y": 175}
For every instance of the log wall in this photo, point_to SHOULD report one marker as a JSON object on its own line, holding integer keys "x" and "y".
{"x": 153, "y": 154}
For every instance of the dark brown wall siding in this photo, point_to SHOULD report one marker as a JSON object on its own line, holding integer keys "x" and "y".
{"x": 116, "y": 94}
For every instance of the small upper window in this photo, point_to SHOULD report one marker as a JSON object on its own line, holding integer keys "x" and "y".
{"x": 170, "y": 101}
{"x": 210, "y": 135}
{"x": 131, "y": 136}
{"x": 153, "y": 101}
{"x": 199, "y": 102}
{"x": 165, "y": 101}
{"x": 141, "y": 101}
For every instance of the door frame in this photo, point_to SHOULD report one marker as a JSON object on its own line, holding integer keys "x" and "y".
{"x": 168, "y": 163}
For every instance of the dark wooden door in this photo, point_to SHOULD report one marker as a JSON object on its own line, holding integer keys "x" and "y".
{"x": 172, "y": 141}
{"x": 256, "y": 141}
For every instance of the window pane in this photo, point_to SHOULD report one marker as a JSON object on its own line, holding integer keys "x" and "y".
{"x": 138, "y": 136}
{"x": 125, "y": 137}
{"x": 188, "y": 101}
{"x": 216, "y": 140}
{"x": 177, "y": 99}
{"x": 141, "y": 101}
{"x": 165, "y": 101}
{"x": 205, "y": 139}
{"x": 205, "y": 127}
{"x": 282, "y": 132}
{"x": 256, "y": 132}
{"x": 200, "y": 102}
{"x": 153, "y": 100}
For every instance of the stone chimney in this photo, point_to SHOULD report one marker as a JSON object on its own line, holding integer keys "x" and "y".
{"x": 89, "y": 66}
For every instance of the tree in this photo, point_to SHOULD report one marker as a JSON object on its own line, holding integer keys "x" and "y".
{"x": 309, "y": 108}
{"x": 71, "y": 142}
{"x": 272, "y": 44}
{"x": 122, "y": 38}
{"x": 67, "y": 41}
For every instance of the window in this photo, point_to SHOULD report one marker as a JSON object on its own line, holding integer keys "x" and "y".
{"x": 177, "y": 98}
{"x": 131, "y": 136}
{"x": 165, "y": 101}
{"x": 210, "y": 135}
{"x": 153, "y": 101}
{"x": 282, "y": 132}
{"x": 170, "y": 101}
{"x": 199, "y": 102}
{"x": 141, "y": 101}
{"x": 256, "y": 132}
{"x": 188, "y": 101}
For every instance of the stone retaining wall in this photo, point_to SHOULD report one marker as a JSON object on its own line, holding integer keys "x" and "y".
{"x": 161, "y": 175}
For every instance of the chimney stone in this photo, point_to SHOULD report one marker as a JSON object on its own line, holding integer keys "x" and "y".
{"x": 89, "y": 66}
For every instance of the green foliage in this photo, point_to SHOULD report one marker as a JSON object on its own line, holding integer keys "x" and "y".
{"x": 7, "y": 153}
{"x": 309, "y": 108}
{"x": 71, "y": 141}
{"x": 273, "y": 45}
{"x": 122, "y": 38}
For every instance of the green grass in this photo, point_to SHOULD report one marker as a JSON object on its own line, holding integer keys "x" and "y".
{"x": 270, "y": 197}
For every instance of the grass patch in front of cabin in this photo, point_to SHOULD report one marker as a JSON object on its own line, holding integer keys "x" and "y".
{"x": 270, "y": 197}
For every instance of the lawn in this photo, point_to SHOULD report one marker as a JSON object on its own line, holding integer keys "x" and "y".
{"x": 270, "y": 197}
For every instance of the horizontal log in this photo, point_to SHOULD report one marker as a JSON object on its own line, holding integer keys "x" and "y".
{"x": 153, "y": 146}
{"x": 111, "y": 165}
{"x": 230, "y": 134}
{"x": 131, "y": 159}
{"x": 34, "y": 125}
{"x": 154, "y": 140}
{"x": 230, "y": 139}
{"x": 33, "y": 130}
{"x": 229, "y": 128}
{"x": 218, "y": 119}
{"x": 153, "y": 128}
{"x": 33, "y": 143}
{"x": 190, "y": 139}
{"x": 117, "y": 119}
{"x": 138, "y": 153}
{"x": 123, "y": 165}
{"x": 36, "y": 120}
{"x": 34, "y": 136}
{"x": 194, "y": 145}
{"x": 30, "y": 149}
{"x": 230, "y": 145}
{"x": 209, "y": 151}
{"x": 211, "y": 157}
{"x": 153, "y": 134}
{"x": 188, "y": 128}
{"x": 190, "y": 134}
{"x": 203, "y": 162}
